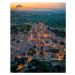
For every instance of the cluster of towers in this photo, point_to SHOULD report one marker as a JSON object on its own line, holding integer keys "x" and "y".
{"x": 37, "y": 28}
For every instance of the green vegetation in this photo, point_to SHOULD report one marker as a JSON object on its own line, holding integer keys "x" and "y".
{"x": 54, "y": 50}
{"x": 18, "y": 41}
{"x": 40, "y": 66}
{"x": 42, "y": 48}
{"x": 56, "y": 18}
{"x": 56, "y": 22}
{"x": 41, "y": 54}
{"x": 48, "y": 28}
{"x": 13, "y": 68}
{"x": 20, "y": 28}
{"x": 62, "y": 43}
{"x": 61, "y": 33}
{"x": 43, "y": 66}
{"x": 13, "y": 39}
{"x": 46, "y": 41}
{"x": 34, "y": 46}
{"x": 19, "y": 61}
{"x": 64, "y": 56}
{"x": 22, "y": 60}
{"x": 47, "y": 51}
{"x": 31, "y": 52}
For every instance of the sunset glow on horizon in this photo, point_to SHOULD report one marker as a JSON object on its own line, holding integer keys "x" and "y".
{"x": 31, "y": 5}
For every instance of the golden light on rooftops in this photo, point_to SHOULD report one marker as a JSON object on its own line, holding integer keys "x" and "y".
{"x": 20, "y": 66}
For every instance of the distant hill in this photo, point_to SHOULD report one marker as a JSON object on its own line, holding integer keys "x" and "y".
{"x": 49, "y": 16}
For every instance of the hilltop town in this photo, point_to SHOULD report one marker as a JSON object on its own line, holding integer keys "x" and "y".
{"x": 36, "y": 41}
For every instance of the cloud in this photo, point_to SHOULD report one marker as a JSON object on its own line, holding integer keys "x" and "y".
{"x": 19, "y": 6}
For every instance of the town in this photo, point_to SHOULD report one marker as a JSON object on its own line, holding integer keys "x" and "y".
{"x": 40, "y": 42}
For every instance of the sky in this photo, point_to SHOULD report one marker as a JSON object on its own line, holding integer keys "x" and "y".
{"x": 32, "y": 5}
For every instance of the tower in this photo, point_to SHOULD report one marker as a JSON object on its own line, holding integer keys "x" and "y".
{"x": 28, "y": 39}
{"x": 44, "y": 28}
{"x": 39, "y": 35}
{"x": 31, "y": 34}
{"x": 36, "y": 28}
